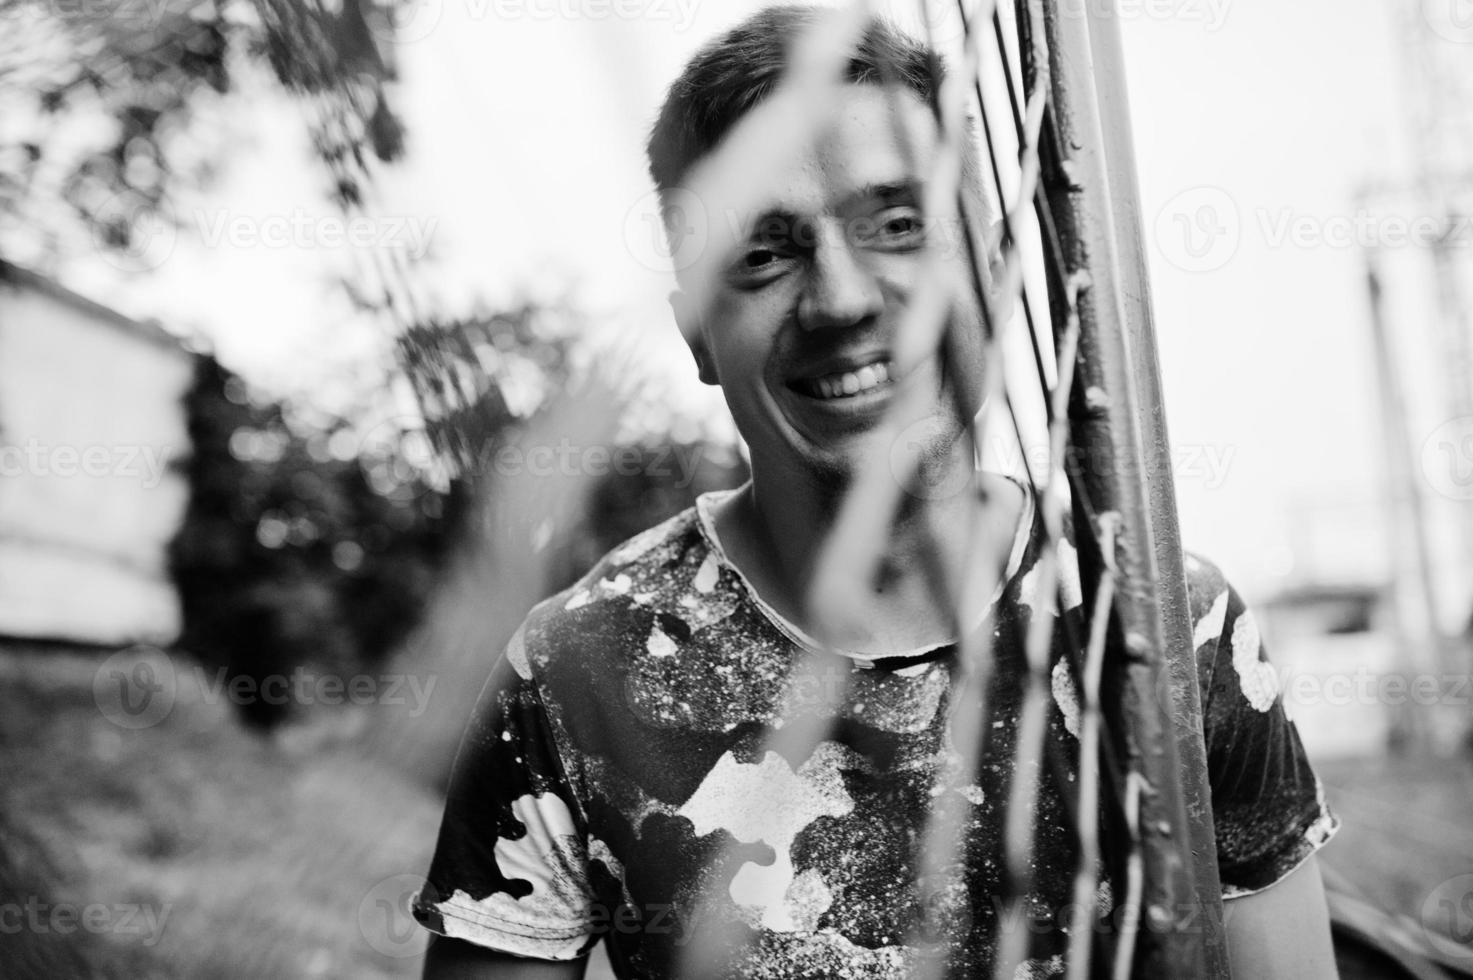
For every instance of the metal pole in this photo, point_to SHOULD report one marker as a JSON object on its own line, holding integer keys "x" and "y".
{"x": 1123, "y": 467}
{"x": 1415, "y": 622}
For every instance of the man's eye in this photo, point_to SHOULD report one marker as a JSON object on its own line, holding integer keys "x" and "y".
{"x": 896, "y": 228}
{"x": 903, "y": 225}
{"x": 758, "y": 264}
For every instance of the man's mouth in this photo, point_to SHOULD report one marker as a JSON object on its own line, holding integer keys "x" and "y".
{"x": 845, "y": 384}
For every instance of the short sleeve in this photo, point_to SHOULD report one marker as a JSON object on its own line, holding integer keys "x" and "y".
{"x": 1268, "y": 807}
{"x": 510, "y": 865}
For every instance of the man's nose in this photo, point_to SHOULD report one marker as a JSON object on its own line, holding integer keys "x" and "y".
{"x": 841, "y": 290}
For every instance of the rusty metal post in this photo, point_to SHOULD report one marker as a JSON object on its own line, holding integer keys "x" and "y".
{"x": 1123, "y": 465}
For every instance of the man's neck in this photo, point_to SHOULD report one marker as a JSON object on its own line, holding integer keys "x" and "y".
{"x": 774, "y": 531}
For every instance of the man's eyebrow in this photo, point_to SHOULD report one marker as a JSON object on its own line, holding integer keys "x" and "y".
{"x": 889, "y": 192}
{"x": 779, "y": 223}
{"x": 773, "y": 223}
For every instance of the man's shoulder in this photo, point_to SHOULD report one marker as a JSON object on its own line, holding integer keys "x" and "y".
{"x": 649, "y": 572}
{"x": 1205, "y": 580}
{"x": 1211, "y": 598}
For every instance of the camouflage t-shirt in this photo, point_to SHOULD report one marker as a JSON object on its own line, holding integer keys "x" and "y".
{"x": 616, "y": 780}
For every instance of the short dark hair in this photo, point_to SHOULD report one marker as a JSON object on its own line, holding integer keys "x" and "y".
{"x": 734, "y": 72}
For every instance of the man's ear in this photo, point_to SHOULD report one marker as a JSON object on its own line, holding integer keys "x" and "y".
{"x": 688, "y": 319}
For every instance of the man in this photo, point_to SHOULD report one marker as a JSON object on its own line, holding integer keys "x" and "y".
{"x": 619, "y": 780}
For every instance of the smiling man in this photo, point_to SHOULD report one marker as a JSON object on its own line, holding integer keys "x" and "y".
{"x": 619, "y": 779}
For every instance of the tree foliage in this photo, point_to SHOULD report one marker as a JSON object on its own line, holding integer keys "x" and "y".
{"x": 137, "y": 72}
{"x": 301, "y": 547}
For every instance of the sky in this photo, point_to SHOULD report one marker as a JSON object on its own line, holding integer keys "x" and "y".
{"x": 1256, "y": 123}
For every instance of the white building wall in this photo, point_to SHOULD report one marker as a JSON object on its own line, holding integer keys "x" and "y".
{"x": 92, "y": 430}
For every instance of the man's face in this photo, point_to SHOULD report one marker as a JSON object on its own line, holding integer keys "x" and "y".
{"x": 803, "y": 322}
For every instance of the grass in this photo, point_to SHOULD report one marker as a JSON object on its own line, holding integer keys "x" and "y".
{"x": 281, "y": 857}
{"x": 1405, "y": 827}
{"x": 254, "y": 856}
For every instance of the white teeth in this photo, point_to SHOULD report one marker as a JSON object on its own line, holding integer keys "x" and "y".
{"x": 853, "y": 382}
